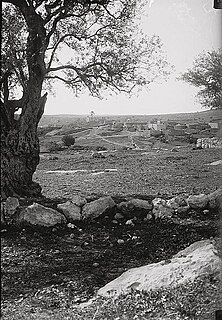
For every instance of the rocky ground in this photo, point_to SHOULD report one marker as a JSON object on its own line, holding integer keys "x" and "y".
{"x": 48, "y": 272}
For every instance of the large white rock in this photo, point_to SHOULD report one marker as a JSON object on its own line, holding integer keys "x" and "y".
{"x": 200, "y": 258}
{"x": 96, "y": 208}
{"x": 39, "y": 215}
{"x": 71, "y": 211}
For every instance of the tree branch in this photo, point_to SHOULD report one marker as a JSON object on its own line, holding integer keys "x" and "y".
{"x": 75, "y": 80}
{"x": 42, "y": 103}
{"x": 62, "y": 68}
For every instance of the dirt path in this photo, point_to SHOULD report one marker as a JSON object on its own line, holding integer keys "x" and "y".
{"x": 111, "y": 142}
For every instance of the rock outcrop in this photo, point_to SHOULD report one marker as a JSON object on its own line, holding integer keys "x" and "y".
{"x": 201, "y": 258}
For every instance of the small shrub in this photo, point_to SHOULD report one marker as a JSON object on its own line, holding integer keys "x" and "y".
{"x": 68, "y": 140}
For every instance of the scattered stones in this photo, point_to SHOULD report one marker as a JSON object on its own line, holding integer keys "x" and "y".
{"x": 118, "y": 216}
{"x": 148, "y": 217}
{"x": 198, "y": 201}
{"x": 71, "y": 211}
{"x": 95, "y": 264}
{"x": 71, "y": 226}
{"x": 204, "y": 143}
{"x": 127, "y": 211}
{"x": 199, "y": 259}
{"x": 39, "y": 215}
{"x": 97, "y": 208}
{"x": 130, "y": 223}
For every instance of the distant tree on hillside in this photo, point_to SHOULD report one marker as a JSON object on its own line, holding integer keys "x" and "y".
{"x": 206, "y": 74}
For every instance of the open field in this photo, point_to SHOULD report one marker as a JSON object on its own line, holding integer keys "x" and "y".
{"x": 137, "y": 172}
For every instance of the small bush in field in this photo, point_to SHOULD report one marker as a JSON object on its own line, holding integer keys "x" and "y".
{"x": 68, "y": 140}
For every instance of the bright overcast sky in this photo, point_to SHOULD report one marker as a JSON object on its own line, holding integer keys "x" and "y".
{"x": 186, "y": 28}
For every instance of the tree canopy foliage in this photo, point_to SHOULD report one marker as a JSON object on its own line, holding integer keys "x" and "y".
{"x": 206, "y": 74}
{"x": 86, "y": 44}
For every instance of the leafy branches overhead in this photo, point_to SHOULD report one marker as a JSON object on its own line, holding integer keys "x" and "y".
{"x": 206, "y": 74}
{"x": 86, "y": 44}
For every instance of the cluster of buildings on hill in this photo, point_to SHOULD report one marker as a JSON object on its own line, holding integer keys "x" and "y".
{"x": 170, "y": 129}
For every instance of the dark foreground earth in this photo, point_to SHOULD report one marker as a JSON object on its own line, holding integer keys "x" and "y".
{"x": 60, "y": 267}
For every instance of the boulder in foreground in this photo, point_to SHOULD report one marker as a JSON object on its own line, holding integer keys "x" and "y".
{"x": 95, "y": 209}
{"x": 71, "y": 211}
{"x": 201, "y": 258}
{"x": 134, "y": 208}
{"x": 38, "y": 215}
{"x": 198, "y": 201}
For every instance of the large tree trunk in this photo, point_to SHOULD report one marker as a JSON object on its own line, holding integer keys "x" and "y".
{"x": 19, "y": 140}
{"x": 20, "y": 152}
{"x": 19, "y": 165}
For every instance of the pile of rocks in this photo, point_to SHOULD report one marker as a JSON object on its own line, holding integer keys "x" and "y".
{"x": 204, "y": 143}
{"x": 126, "y": 212}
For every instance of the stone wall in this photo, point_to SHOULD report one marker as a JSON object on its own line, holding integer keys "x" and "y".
{"x": 209, "y": 143}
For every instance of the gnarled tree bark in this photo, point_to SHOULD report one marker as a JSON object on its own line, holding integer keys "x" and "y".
{"x": 19, "y": 140}
{"x": 20, "y": 151}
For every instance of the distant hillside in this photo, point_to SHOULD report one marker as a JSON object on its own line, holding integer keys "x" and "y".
{"x": 65, "y": 119}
